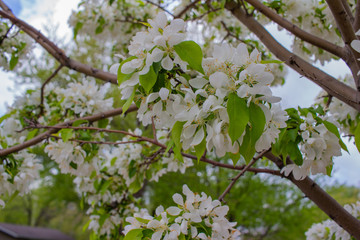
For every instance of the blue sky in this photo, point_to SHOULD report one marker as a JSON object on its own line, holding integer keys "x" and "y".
{"x": 15, "y": 6}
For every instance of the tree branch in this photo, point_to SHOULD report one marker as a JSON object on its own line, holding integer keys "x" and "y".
{"x": 45, "y": 135}
{"x": 346, "y": 29}
{"x": 58, "y": 53}
{"x": 348, "y": 10}
{"x": 356, "y": 24}
{"x": 323, "y": 200}
{"x": 332, "y": 86}
{"x": 253, "y": 161}
{"x": 43, "y": 87}
{"x": 187, "y": 8}
{"x": 310, "y": 38}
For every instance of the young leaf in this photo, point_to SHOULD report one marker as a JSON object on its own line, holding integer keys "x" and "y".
{"x": 200, "y": 149}
{"x": 257, "y": 121}
{"x": 128, "y": 102}
{"x": 238, "y": 116}
{"x": 357, "y": 137}
{"x": 148, "y": 80}
{"x": 175, "y": 136}
{"x": 190, "y": 52}
{"x": 134, "y": 234}
{"x": 66, "y": 134}
{"x": 333, "y": 129}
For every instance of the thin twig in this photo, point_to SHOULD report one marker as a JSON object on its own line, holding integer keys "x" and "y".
{"x": 43, "y": 87}
{"x": 2, "y": 38}
{"x": 98, "y": 142}
{"x": 187, "y": 8}
{"x": 37, "y": 139}
{"x": 160, "y": 7}
{"x": 253, "y": 161}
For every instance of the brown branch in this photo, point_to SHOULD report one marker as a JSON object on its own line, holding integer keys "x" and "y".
{"x": 45, "y": 135}
{"x": 356, "y": 24}
{"x": 308, "y": 37}
{"x": 332, "y": 86}
{"x": 43, "y": 87}
{"x": 58, "y": 53}
{"x": 253, "y": 161}
{"x": 346, "y": 29}
{"x": 98, "y": 142}
{"x": 348, "y": 10}
{"x": 187, "y": 8}
{"x": 323, "y": 200}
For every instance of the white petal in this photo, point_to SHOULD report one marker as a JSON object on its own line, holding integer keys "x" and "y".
{"x": 167, "y": 63}
{"x": 356, "y": 45}
{"x": 114, "y": 68}
{"x": 174, "y": 211}
{"x": 164, "y": 93}
{"x": 152, "y": 97}
{"x": 199, "y": 136}
{"x": 178, "y": 199}
{"x": 218, "y": 79}
{"x": 159, "y": 210}
{"x": 198, "y": 82}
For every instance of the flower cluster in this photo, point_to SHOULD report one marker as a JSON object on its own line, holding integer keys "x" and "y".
{"x": 331, "y": 230}
{"x": 198, "y": 217}
{"x": 19, "y": 179}
{"x": 318, "y": 145}
{"x": 157, "y": 78}
{"x": 111, "y": 175}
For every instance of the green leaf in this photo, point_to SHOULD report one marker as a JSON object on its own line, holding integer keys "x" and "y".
{"x": 102, "y": 123}
{"x": 134, "y": 234}
{"x": 128, "y": 102}
{"x": 357, "y": 137}
{"x": 200, "y": 149}
{"x": 190, "y": 52}
{"x": 78, "y": 26}
{"x": 66, "y": 134}
{"x": 257, "y": 121}
{"x": 32, "y": 134}
{"x": 294, "y": 153}
{"x": 135, "y": 186}
{"x": 122, "y": 77}
{"x": 105, "y": 186}
{"x": 238, "y": 116}
{"x": 333, "y": 129}
{"x": 79, "y": 122}
{"x": 142, "y": 220}
{"x": 329, "y": 169}
{"x": 234, "y": 157}
{"x": 246, "y": 149}
{"x": 271, "y": 61}
{"x": 148, "y": 80}
{"x": 13, "y": 61}
{"x": 175, "y": 136}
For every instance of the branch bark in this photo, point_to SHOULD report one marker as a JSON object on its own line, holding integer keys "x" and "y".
{"x": 45, "y": 135}
{"x": 332, "y": 86}
{"x": 346, "y": 29}
{"x": 356, "y": 24}
{"x": 323, "y": 200}
{"x": 310, "y": 38}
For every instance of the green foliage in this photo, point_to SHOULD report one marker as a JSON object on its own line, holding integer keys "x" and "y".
{"x": 190, "y": 52}
{"x": 239, "y": 116}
